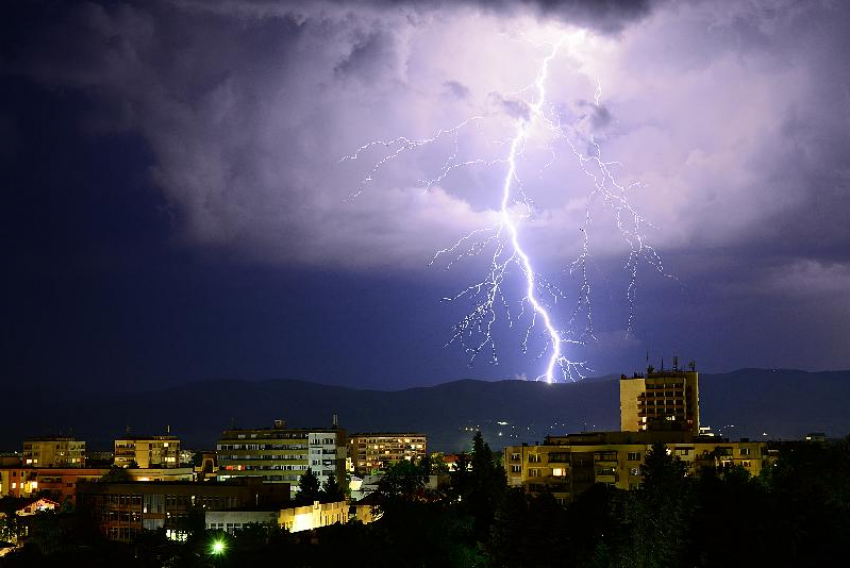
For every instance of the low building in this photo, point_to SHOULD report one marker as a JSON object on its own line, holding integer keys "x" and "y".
{"x": 309, "y": 517}
{"x": 61, "y": 483}
{"x": 54, "y": 451}
{"x": 161, "y": 474}
{"x": 295, "y": 518}
{"x": 34, "y": 505}
{"x": 370, "y": 452}
{"x": 123, "y": 510}
{"x": 231, "y": 522}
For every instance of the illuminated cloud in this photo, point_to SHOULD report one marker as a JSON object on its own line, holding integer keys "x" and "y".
{"x": 732, "y": 116}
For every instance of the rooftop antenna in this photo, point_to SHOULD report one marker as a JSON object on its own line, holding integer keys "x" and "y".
{"x": 675, "y": 362}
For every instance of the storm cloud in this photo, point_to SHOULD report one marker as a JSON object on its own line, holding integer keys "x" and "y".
{"x": 728, "y": 120}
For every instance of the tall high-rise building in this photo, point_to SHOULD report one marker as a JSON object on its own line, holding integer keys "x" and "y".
{"x": 282, "y": 455}
{"x": 660, "y": 400}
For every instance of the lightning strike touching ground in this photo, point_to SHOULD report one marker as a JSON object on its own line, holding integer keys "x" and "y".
{"x": 475, "y": 330}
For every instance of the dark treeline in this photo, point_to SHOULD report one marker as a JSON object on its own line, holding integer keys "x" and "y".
{"x": 796, "y": 514}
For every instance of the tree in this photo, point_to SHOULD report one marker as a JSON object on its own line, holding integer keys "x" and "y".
{"x": 482, "y": 489}
{"x": 308, "y": 488}
{"x": 402, "y": 481}
{"x": 659, "y": 511}
{"x": 116, "y": 475}
{"x": 331, "y": 490}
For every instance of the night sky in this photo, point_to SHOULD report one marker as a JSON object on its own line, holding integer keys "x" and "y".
{"x": 175, "y": 207}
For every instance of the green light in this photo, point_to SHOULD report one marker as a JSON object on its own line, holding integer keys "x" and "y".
{"x": 218, "y": 547}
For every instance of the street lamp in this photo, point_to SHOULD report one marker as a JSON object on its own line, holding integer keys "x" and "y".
{"x": 218, "y": 547}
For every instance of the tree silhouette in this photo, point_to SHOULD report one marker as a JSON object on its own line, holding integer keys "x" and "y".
{"x": 331, "y": 490}
{"x": 308, "y": 488}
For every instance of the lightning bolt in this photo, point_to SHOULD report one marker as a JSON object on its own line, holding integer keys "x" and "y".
{"x": 475, "y": 329}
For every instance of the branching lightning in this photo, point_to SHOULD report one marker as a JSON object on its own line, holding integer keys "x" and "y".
{"x": 475, "y": 330}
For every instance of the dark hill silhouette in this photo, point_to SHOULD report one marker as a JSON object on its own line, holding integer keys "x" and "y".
{"x": 783, "y": 403}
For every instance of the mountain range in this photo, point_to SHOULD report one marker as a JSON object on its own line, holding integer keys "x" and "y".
{"x": 753, "y": 403}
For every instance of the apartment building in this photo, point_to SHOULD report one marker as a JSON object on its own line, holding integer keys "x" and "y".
{"x": 369, "y": 452}
{"x": 54, "y": 451}
{"x": 147, "y": 451}
{"x": 282, "y": 455}
{"x": 660, "y": 406}
{"x": 568, "y": 465}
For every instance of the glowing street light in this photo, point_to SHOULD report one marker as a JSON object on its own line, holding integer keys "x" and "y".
{"x": 218, "y": 547}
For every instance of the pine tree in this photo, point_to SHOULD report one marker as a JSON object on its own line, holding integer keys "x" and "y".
{"x": 331, "y": 490}
{"x": 308, "y": 487}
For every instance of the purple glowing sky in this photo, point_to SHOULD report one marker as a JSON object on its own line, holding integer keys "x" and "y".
{"x": 733, "y": 116}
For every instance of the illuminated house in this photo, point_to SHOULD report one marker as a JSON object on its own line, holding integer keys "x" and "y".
{"x": 282, "y": 455}
{"x": 147, "y": 451}
{"x": 124, "y": 510}
{"x": 60, "y": 451}
{"x": 372, "y": 451}
{"x": 660, "y": 400}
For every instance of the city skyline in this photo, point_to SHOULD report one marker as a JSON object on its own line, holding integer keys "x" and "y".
{"x": 178, "y": 211}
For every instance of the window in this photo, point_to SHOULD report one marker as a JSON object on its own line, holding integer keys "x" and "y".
{"x": 633, "y": 456}
{"x": 533, "y": 458}
{"x": 516, "y": 469}
{"x": 745, "y": 451}
{"x": 515, "y": 457}
{"x": 534, "y": 472}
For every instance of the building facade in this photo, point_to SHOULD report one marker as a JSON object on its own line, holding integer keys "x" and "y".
{"x": 282, "y": 455}
{"x": 60, "y": 451}
{"x": 660, "y": 400}
{"x": 124, "y": 510}
{"x": 60, "y": 483}
{"x": 147, "y": 451}
{"x": 369, "y": 452}
{"x": 568, "y": 465}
